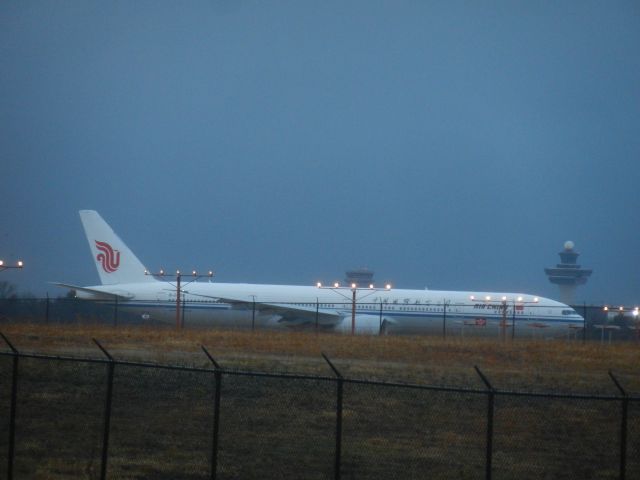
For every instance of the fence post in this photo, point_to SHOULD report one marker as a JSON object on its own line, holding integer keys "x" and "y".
{"x": 12, "y": 418}
{"x": 115, "y": 312}
{"x": 340, "y": 382}
{"x": 584, "y": 329}
{"x": 217, "y": 373}
{"x": 107, "y": 411}
{"x": 490, "y": 411}
{"x": 253, "y": 314}
{"x": 444, "y": 319}
{"x": 623, "y": 427}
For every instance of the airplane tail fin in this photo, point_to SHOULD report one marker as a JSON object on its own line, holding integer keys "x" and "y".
{"x": 113, "y": 259}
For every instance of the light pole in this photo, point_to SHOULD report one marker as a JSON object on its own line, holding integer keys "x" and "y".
{"x": 354, "y": 296}
{"x": 503, "y": 321}
{"x": 503, "y": 306}
{"x": 178, "y": 276}
{"x": 19, "y": 264}
{"x": 606, "y": 326}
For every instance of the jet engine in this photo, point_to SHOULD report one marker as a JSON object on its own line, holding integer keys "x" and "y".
{"x": 363, "y": 325}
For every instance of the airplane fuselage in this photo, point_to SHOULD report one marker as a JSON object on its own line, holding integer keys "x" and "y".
{"x": 359, "y": 310}
{"x": 397, "y": 310}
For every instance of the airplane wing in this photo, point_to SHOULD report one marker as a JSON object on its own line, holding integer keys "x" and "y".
{"x": 299, "y": 314}
{"x": 291, "y": 313}
{"x": 309, "y": 314}
{"x": 94, "y": 293}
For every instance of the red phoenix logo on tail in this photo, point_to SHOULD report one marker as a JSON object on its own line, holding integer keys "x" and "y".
{"x": 108, "y": 257}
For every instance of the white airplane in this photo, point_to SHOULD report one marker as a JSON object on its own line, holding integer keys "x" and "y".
{"x": 372, "y": 310}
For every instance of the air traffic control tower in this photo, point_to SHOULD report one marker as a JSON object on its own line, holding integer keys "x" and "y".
{"x": 567, "y": 274}
{"x": 361, "y": 277}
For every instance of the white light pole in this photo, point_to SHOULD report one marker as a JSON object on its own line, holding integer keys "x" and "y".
{"x": 503, "y": 305}
{"x": 19, "y": 264}
{"x": 354, "y": 292}
{"x": 178, "y": 276}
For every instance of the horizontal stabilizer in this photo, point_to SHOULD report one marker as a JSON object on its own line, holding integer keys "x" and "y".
{"x": 94, "y": 293}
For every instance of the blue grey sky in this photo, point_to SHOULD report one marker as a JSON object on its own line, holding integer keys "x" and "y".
{"x": 448, "y": 144}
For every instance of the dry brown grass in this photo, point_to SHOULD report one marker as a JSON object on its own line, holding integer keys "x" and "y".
{"x": 537, "y": 365}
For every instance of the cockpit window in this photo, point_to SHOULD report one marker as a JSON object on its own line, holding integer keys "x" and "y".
{"x": 569, "y": 312}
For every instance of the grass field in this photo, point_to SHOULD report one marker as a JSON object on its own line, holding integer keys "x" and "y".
{"x": 277, "y": 428}
{"x": 546, "y": 364}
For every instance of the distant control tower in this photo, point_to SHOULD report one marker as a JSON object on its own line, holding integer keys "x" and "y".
{"x": 362, "y": 277}
{"x": 567, "y": 274}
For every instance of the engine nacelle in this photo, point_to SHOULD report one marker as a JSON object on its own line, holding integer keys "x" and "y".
{"x": 363, "y": 325}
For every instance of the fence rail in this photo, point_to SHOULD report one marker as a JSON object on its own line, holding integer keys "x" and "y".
{"x": 70, "y": 417}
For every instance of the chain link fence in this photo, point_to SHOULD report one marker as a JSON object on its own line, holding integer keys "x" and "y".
{"x": 98, "y": 418}
{"x": 602, "y": 324}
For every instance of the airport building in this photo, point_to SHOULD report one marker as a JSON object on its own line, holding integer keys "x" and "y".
{"x": 361, "y": 277}
{"x": 567, "y": 274}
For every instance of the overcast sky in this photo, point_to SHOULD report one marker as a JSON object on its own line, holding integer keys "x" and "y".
{"x": 453, "y": 145}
